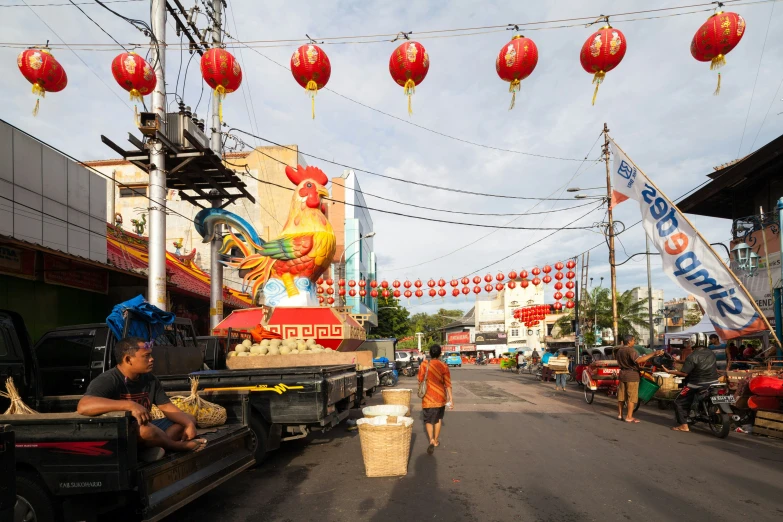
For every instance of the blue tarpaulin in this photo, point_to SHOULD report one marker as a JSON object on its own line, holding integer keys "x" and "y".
{"x": 147, "y": 322}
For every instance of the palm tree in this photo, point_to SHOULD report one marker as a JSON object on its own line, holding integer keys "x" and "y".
{"x": 596, "y": 310}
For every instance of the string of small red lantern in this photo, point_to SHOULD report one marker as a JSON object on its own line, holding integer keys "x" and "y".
{"x": 408, "y": 65}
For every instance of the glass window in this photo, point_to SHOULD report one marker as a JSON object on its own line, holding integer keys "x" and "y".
{"x": 58, "y": 352}
{"x": 515, "y": 332}
{"x": 133, "y": 192}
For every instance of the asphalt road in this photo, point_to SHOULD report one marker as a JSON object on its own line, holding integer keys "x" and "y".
{"x": 514, "y": 449}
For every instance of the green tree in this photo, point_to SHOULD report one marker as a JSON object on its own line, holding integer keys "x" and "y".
{"x": 393, "y": 320}
{"x": 431, "y": 325}
{"x": 632, "y": 315}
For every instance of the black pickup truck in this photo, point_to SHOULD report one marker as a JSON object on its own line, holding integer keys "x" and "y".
{"x": 72, "y": 467}
{"x": 285, "y": 403}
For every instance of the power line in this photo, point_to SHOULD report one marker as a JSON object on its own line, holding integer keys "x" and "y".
{"x": 438, "y": 187}
{"x": 98, "y": 25}
{"x": 72, "y": 3}
{"x": 755, "y": 81}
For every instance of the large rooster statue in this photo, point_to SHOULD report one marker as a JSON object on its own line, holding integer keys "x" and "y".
{"x": 288, "y": 266}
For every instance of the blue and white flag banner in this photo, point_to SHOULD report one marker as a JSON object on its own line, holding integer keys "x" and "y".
{"x": 687, "y": 258}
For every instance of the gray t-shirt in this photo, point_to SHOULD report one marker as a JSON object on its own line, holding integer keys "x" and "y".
{"x": 146, "y": 390}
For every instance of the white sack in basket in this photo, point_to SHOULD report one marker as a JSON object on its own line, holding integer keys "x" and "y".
{"x": 382, "y": 421}
{"x": 385, "y": 410}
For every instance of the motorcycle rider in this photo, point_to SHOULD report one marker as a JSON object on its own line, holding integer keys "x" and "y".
{"x": 700, "y": 370}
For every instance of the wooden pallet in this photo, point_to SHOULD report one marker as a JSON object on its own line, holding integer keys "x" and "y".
{"x": 769, "y": 423}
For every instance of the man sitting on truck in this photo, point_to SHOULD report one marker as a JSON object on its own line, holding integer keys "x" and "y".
{"x": 130, "y": 386}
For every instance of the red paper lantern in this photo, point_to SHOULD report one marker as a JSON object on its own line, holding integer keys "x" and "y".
{"x": 374, "y": 293}
{"x": 352, "y": 292}
{"x": 559, "y": 275}
{"x": 465, "y": 290}
{"x": 558, "y": 286}
{"x": 454, "y": 282}
{"x": 716, "y": 38}
{"x": 476, "y": 280}
{"x": 558, "y": 266}
{"x": 320, "y": 290}
{"x": 431, "y": 283}
{"x": 488, "y": 288}
{"x": 341, "y": 282}
{"x": 546, "y": 269}
{"x": 512, "y": 275}
{"x": 524, "y": 283}
{"x": 407, "y": 284}
{"x": 396, "y": 293}
{"x": 570, "y": 275}
{"x": 329, "y": 282}
{"x": 476, "y": 289}
{"x": 570, "y": 285}
{"x": 569, "y": 304}
{"x": 511, "y": 284}
{"x": 320, "y": 281}
{"x": 441, "y": 283}
{"x": 570, "y": 264}
{"x": 536, "y": 271}
{"x": 516, "y": 61}
{"x": 408, "y": 294}
{"x": 330, "y": 290}
{"x": 352, "y": 283}
{"x": 558, "y": 306}
{"x": 385, "y": 293}
{"x": 419, "y": 293}
{"x": 222, "y": 72}
{"x": 465, "y": 281}
{"x": 488, "y": 278}
{"x": 330, "y": 300}
{"x": 408, "y": 65}
{"x": 320, "y": 299}
{"x": 40, "y": 68}
{"x": 341, "y": 292}
{"x": 536, "y": 281}
{"x": 362, "y": 292}
{"x": 455, "y": 292}
{"x": 601, "y": 53}
{"x": 396, "y": 284}
{"x": 499, "y": 287}
{"x": 134, "y": 74}
{"x": 418, "y": 283}
{"x": 384, "y": 284}
{"x": 442, "y": 292}
{"x": 523, "y": 274}
{"x": 433, "y": 292}
{"x": 569, "y": 295}
{"x": 311, "y": 69}
{"x": 546, "y": 279}
{"x": 500, "y": 276}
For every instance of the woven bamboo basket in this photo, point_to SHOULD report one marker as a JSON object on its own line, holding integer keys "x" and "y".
{"x": 386, "y": 445}
{"x": 207, "y": 414}
{"x": 401, "y": 396}
{"x": 667, "y": 384}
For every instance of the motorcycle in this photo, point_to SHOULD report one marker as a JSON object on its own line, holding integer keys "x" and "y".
{"x": 388, "y": 376}
{"x": 411, "y": 369}
{"x": 712, "y": 405}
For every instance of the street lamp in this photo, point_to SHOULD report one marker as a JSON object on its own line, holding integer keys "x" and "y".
{"x": 341, "y": 263}
{"x": 577, "y": 189}
{"x": 745, "y": 257}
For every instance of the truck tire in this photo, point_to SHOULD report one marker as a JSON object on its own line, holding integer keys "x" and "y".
{"x": 33, "y": 502}
{"x": 260, "y": 437}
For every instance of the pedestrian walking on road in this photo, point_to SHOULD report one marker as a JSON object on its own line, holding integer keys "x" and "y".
{"x": 561, "y": 375}
{"x": 628, "y": 390}
{"x": 438, "y": 395}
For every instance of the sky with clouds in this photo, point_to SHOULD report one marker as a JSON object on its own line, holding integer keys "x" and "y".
{"x": 658, "y": 104}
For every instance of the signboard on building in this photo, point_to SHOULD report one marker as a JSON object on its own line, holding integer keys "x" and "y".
{"x": 458, "y": 338}
{"x": 491, "y": 338}
{"x": 492, "y": 327}
{"x": 64, "y": 272}
{"x": 15, "y": 261}
{"x": 758, "y": 283}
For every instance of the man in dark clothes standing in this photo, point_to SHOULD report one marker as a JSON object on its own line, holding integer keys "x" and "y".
{"x": 628, "y": 391}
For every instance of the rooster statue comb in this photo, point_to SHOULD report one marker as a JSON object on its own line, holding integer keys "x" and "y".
{"x": 288, "y": 266}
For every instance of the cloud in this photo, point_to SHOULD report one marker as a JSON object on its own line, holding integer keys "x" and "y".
{"x": 658, "y": 104}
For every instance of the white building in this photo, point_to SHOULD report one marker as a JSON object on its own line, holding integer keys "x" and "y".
{"x": 495, "y": 319}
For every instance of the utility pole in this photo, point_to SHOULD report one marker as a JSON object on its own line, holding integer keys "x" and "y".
{"x": 612, "y": 268}
{"x": 215, "y": 267}
{"x": 649, "y": 291}
{"x": 156, "y": 282}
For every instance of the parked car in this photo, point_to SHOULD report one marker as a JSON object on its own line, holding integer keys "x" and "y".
{"x": 454, "y": 359}
{"x": 402, "y": 357}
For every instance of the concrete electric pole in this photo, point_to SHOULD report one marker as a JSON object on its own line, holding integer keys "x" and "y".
{"x": 612, "y": 267}
{"x": 215, "y": 267}
{"x": 156, "y": 282}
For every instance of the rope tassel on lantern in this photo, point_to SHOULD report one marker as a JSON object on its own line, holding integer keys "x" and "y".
{"x": 409, "y": 89}
{"x": 220, "y": 95}
{"x": 598, "y": 79}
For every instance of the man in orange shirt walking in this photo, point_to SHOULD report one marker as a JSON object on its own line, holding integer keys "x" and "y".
{"x": 438, "y": 395}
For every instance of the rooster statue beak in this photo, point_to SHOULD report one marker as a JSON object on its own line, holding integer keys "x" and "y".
{"x": 323, "y": 192}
